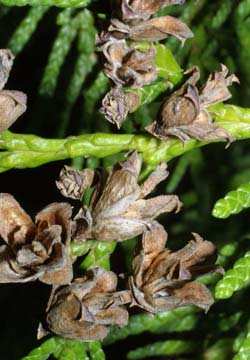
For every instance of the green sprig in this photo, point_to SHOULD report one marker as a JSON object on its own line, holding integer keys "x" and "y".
{"x": 26, "y": 28}
{"x": 235, "y": 279}
{"x": 99, "y": 255}
{"x": 220, "y": 350}
{"x": 60, "y": 49}
{"x": 163, "y": 348}
{"x": 233, "y": 203}
{"x": 47, "y": 348}
{"x": 84, "y": 64}
{"x": 95, "y": 350}
{"x": 244, "y": 351}
{"x": 178, "y": 320}
{"x": 59, "y": 3}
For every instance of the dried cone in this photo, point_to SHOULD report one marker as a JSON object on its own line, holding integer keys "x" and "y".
{"x": 73, "y": 183}
{"x": 12, "y": 103}
{"x": 155, "y": 29}
{"x": 163, "y": 280}
{"x": 128, "y": 66}
{"x": 185, "y": 113}
{"x": 85, "y": 309}
{"x": 37, "y": 250}
{"x": 139, "y": 10}
{"x": 119, "y": 210}
{"x": 117, "y": 104}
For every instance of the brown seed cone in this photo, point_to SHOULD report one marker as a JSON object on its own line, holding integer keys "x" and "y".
{"x": 163, "y": 280}
{"x": 85, "y": 309}
{"x": 128, "y": 66}
{"x": 72, "y": 183}
{"x": 184, "y": 114}
{"x": 119, "y": 210}
{"x": 37, "y": 250}
{"x": 117, "y": 104}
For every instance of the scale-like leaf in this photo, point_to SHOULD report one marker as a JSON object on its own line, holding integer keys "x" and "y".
{"x": 235, "y": 279}
{"x": 47, "y": 348}
{"x": 99, "y": 255}
{"x": 233, "y": 203}
{"x": 182, "y": 319}
{"x": 60, "y": 3}
{"x": 244, "y": 351}
{"x": 73, "y": 350}
{"x": 95, "y": 351}
{"x": 163, "y": 348}
{"x": 26, "y": 28}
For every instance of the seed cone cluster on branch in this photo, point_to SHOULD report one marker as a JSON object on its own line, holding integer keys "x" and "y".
{"x": 84, "y": 308}
{"x": 12, "y": 102}
{"x": 184, "y": 114}
{"x": 129, "y": 61}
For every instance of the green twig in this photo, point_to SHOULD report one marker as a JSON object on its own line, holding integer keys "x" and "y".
{"x": 235, "y": 279}
{"x": 26, "y": 28}
{"x": 164, "y": 348}
{"x": 178, "y": 320}
{"x": 59, "y": 3}
{"x": 28, "y": 151}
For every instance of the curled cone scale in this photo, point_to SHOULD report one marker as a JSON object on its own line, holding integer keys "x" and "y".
{"x": 73, "y": 183}
{"x": 140, "y": 10}
{"x": 155, "y": 29}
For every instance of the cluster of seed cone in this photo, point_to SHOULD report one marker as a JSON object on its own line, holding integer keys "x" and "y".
{"x": 130, "y": 62}
{"x": 129, "y": 53}
{"x": 120, "y": 208}
{"x": 84, "y": 308}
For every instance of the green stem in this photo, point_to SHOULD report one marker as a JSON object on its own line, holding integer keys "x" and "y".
{"x": 26, "y": 28}
{"x": 59, "y": 3}
{"x": 178, "y": 320}
{"x": 61, "y": 47}
{"x": 28, "y": 151}
{"x": 164, "y": 348}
